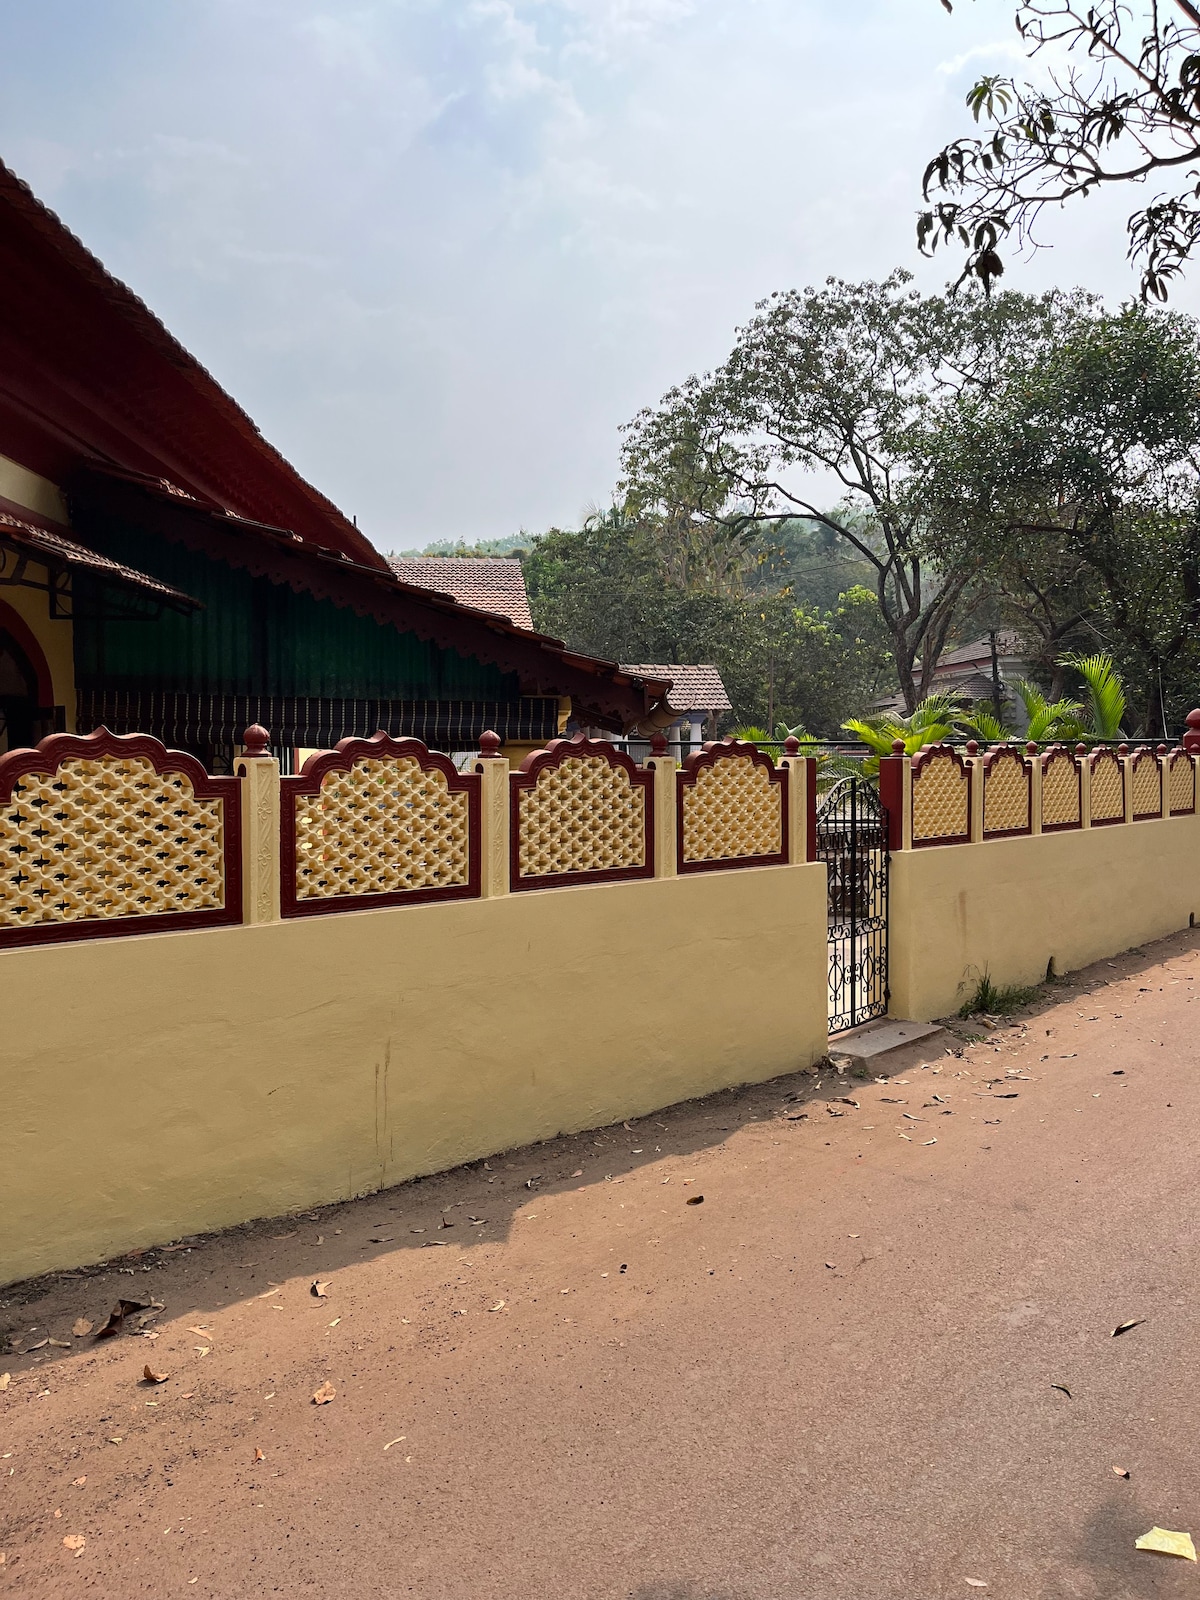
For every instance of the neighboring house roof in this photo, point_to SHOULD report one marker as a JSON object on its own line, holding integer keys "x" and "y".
{"x": 495, "y": 584}
{"x": 978, "y": 653}
{"x": 692, "y": 688}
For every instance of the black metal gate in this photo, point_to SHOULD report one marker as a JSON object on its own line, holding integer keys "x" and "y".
{"x": 852, "y": 840}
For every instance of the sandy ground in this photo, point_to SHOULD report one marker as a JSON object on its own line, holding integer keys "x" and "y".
{"x": 554, "y": 1377}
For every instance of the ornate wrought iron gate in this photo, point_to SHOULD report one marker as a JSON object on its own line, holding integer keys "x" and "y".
{"x": 852, "y": 840}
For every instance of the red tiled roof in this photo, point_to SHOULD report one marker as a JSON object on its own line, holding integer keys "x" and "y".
{"x": 495, "y": 584}
{"x": 692, "y": 688}
{"x": 90, "y": 376}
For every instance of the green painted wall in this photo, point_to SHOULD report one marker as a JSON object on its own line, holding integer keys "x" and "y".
{"x": 254, "y": 636}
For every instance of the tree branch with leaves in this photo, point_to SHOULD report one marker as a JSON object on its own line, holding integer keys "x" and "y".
{"x": 1120, "y": 104}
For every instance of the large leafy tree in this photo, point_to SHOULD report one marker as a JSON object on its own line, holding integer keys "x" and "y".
{"x": 1119, "y": 104}
{"x": 1076, "y": 477}
{"x": 833, "y": 385}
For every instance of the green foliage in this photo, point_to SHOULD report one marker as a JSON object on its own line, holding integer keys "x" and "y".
{"x": 512, "y": 544}
{"x": 937, "y": 717}
{"x": 1105, "y": 704}
{"x": 608, "y": 591}
{"x": 1118, "y": 106}
{"x": 997, "y": 1001}
{"x": 1060, "y": 720}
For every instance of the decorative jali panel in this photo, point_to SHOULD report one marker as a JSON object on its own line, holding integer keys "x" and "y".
{"x": 941, "y": 797}
{"x": 1181, "y": 783}
{"x": 1005, "y": 792}
{"x": 1060, "y": 790}
{"x": 582, "y": 813}
{"x": 1146, "y": 776}
{"x": 377, "y": 821}
{"x": 1108, "y": 788}
{"x": 98, "y": 831}
{"x": 732, "y": 808}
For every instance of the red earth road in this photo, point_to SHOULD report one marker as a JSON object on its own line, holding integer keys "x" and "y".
{"x": 834, "y": 1379}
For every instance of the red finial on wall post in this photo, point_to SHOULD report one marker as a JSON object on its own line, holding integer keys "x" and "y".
{"x": 658, "y": 744}
{"x": 897, "y": 747}
{"x": 256, "y": 741}
{"x": 489, "y": 745}
{"x": 1191, "y": 739}
{"x": 972, "y": 747}
{"x": 791, "y": 745}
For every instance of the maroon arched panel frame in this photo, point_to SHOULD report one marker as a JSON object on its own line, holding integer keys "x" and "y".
{"x": 723, "y": 750}
{"x": 525, "y": 779}
{"x": 920, "y": 761}
{"x": 48, "y": 756}
{"x": 308, "y": 782}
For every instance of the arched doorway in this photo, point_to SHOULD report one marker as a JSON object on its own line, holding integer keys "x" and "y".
{"x": 22, "y": 717}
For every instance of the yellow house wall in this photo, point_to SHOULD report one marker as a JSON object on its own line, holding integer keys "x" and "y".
{"x": 1009, "y": 906}
{"x": 166, "y": 1084}
{"x": 53, "y": 634}
{"x": 31, "y": 490}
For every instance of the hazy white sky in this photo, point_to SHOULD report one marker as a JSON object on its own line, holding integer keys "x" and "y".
{"x": 441, "y": 249}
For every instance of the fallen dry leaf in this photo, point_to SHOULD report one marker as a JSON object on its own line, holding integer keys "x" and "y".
{"x": 81, "y": 1327}
{"x": 78, "y": 1483}
{"x": 846, "y": 1101}
{"x": 976, "y": 1583}
{"x": 578, "y": 1174}
{"x": 694, "y": 1200}
{"x": 319, "y": 1288}
{"x": 5, "y": 1379}
{"x": 291, "y": 1235}
{"x": 499, "y": 1306}
{"x": 201, "y": 1331}
{"x": 258, "y": 1455}
{"x": 1062, "y": 1388}
{"x": 1166, "y": 1543}
{"x": 391, "y": 1442}
{"x": 1121, "y": 1327}
{"x": 324, "y": 1395}
{"x": 1121, "y": 1472}
{"x": 60, "y": 1344}
{"x": 74, "y": 1541}
{"x": 116, "y": 1317}
{"x": 150, "y": 1376}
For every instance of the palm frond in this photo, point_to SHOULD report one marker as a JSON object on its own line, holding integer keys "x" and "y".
{"x": 1105, "y": 704}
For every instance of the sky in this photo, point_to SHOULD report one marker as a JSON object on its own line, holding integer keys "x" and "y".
{"x": 441, "y": 250}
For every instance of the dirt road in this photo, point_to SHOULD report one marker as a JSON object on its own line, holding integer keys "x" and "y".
{"x": 843, "y": 1373}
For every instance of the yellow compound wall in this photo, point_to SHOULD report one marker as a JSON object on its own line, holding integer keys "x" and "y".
{"x": 160, "y": 1085}
{"x": 1009, "y": 906}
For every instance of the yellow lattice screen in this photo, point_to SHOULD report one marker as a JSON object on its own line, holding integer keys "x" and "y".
{"x": 732, "y": 811}
{"x": 1147, "y": 786}
{"x": 1006, "y": 793}
{"x": 384, "y": 826}
{"x": 583, "y": 815}
{"x": 1108, "y": 788}
{"x": 1060, "y": 791}
{"x": 1182, "y": 783}
{"x": 940, "y": 798}
{"x": 108, "y": 837}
